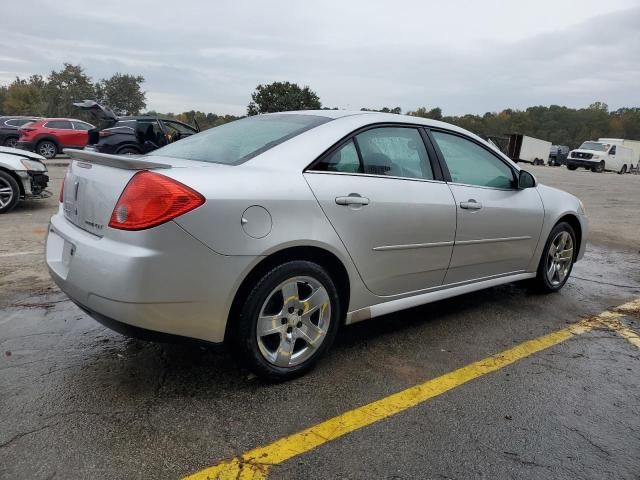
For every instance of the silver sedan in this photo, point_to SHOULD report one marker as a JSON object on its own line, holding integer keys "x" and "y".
{"x": 271, "y": 232}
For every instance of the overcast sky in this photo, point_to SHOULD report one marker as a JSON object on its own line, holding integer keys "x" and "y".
{"x": 463, "y": 56}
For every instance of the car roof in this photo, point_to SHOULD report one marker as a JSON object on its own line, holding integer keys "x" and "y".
{"x": 370, "y": 117}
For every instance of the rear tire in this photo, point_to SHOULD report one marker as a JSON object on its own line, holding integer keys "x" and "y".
{"x": 128, "y": 151}
{"x": 558, "y": 257}
{"x": 47, "y": 149}
{"x": 288, "y": 320}
{"x": 623, "y": 170}
{"x": 11, "y": 142}
{"x": 9, "y": 192}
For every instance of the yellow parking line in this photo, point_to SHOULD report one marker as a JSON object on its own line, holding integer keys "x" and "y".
{"x": 254, "y": 465}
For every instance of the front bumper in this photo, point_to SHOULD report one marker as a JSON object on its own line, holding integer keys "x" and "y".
{"x": 581, "y": 162}
{"x": 34, "y": 184}
{"x": 159, "y": 280}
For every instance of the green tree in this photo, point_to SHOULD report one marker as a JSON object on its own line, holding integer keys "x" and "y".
{"x": 434, "y": 113}
{"x": 25, "y": 97}
{"x": 123, "y": 93}
{"x": 66, "y": 86}
{"x": 282, "y": 97}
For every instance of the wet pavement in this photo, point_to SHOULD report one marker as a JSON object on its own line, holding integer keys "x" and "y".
{"x": 79, "y": 401}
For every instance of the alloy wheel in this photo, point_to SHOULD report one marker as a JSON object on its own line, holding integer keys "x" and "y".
{"x": 559, "y": 258}
{"x": 293, "y": 321}
{"x": 11, "y": 143}
{"x": 47, "y": 149}
{"x": 6, "y": 193}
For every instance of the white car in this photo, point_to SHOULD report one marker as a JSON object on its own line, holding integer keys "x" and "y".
{"x": 23, "y": 176}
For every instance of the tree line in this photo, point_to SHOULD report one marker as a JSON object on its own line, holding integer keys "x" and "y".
{"x": 53, "y": 96}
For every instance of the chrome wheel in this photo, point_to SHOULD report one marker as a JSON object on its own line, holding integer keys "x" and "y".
{"x": 6, "y": 193}
{"x": 47, "y": 149}
{"x": 293, "y": 321}
{"x": 559, "y": 258}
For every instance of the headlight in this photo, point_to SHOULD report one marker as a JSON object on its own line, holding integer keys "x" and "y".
{"x": 33, "y": 165}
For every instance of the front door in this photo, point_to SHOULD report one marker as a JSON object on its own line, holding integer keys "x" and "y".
{"x": 498, "y": 225}
{"x": 397, "y": 222}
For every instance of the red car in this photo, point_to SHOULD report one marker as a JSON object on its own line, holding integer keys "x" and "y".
{"x": 50, "y": 135}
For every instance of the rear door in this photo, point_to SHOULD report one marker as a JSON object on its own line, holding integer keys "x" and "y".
{"x": 62, "y": 130}
{"x": 384, "y": 196}
{"x": 498, "y": 225}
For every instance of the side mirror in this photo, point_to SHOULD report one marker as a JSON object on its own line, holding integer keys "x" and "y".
{"x": 526, "y": 180}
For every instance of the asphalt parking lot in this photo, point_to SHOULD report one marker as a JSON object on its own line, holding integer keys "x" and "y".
{"x": 503, "y": 383}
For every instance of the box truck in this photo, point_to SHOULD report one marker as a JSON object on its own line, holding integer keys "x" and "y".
{"x": 634, "y": 145}
{"x": 528, "y": 149}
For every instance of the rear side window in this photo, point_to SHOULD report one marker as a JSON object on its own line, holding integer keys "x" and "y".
{"x": 12, "y": 123}
{"x": 59, "y": 124}
{"x": 471, "y": 164}
{"x": 239, "y": 141}
{"x": 82, "y": 126}
{"x": 344, "y": 160}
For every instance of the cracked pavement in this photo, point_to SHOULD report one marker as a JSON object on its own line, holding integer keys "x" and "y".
{"x": 79, "y": 401}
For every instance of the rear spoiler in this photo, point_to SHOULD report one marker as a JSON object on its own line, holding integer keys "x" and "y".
{"x": 126, "y": 162}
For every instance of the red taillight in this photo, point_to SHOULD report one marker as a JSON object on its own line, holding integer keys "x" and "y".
{"x": 105, "y": 133}
{"x": 150, "y": 199}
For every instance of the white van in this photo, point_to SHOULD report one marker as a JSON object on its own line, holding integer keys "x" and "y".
{"x": 601, "y": 156}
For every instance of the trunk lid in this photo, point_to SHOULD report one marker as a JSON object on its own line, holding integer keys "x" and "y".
{"x": 94, "y": 182}
{"x": 101, "y": 113}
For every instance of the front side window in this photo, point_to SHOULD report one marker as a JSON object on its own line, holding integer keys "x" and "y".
{"x": 182, "y": 129}
{"x": 239, "y": 141}
{"x": 613, "y": 150}
{"x": 59, "y": 124}
{"x": 471, "y": 164}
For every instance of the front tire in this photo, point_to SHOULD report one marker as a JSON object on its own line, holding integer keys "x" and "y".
{"x": 557, "y": 259}
{"x": 47, "y": 149}
{"x": 288, "y": 320}
{"x": 571, "y": 167}
{"x": 599, "y": 168}
{"x": 9, "y": 192}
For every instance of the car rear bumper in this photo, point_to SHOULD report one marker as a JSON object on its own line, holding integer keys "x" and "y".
{"x": 25, "y": 145}
{"x": 165, "y": 281}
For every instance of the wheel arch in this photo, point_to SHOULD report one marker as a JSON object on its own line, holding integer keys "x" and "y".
{"x": 319, "y": 255}
{"x": 574, "y": 221}
{"x": 15, "y": 176}
{"x": 51, "y": 138}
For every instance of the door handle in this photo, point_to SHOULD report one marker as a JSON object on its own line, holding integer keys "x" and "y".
{"x": 471, "y": 205}
{"x": 352, "y": 199}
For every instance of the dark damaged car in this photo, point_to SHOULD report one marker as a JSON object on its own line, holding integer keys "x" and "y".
{"x": 131, "y": 134}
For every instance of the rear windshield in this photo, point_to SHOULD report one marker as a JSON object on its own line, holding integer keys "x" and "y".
{"x": 237, "y": 142}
